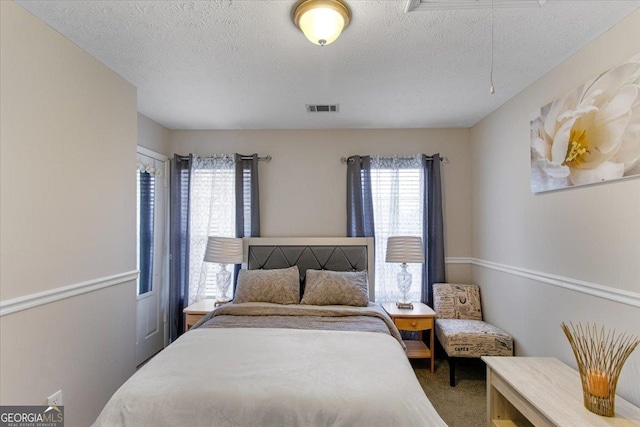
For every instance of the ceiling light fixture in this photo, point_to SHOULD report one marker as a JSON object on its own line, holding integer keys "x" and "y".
{"x": 321, "y": 21}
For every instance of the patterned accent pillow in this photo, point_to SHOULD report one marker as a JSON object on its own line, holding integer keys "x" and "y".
{"x": 456, "y": 301}
{"x": 280, "y": 286}
{"x": 336, "y": 288}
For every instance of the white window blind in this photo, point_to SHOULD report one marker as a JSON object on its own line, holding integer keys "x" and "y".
{"x": 246, "y": 189}
{"x": 145, "y": 197}
{"x": 397, "y": 193}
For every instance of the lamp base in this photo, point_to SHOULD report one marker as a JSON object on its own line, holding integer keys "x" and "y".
{"x": 404, "y": 282}
{"x": 223, "y": 279}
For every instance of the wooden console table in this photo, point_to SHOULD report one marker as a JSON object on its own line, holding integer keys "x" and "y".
{"x": 542, "y": 391}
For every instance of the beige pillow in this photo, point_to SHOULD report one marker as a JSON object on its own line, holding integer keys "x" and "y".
{"x": 336, "y": 288}
{"x": 281, "y": 286}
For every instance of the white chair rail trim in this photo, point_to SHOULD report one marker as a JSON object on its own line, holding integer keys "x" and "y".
{"x": 607, "y": 292}
{"x": 45, "y": 297}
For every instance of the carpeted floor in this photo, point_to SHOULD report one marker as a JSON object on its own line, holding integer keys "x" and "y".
{"x": 463, "y": 405}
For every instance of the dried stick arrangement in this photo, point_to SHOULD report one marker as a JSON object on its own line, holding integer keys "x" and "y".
{"x": 600, "y": 356}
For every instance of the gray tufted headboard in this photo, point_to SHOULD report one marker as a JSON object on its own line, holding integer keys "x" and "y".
{"x": 318, "y": 253}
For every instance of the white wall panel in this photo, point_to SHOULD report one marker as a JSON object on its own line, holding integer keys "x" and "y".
{"x": 67, "y": 216}
{"x": 589, "y": 234}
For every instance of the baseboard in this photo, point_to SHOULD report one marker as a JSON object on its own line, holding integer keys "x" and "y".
{"x": 26, "y": 302}
{"x": 593, "y": 289}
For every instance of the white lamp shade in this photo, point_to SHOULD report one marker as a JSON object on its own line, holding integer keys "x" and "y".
{"x": 404, "y": 249}
{"x": 224, "y": 250}
{"x": 322, "y": 23}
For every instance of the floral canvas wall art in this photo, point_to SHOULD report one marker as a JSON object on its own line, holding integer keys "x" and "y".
{"x": 591, "y": 134}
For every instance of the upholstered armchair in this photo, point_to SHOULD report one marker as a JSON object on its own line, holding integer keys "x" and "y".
{"x": 460, "y": 328}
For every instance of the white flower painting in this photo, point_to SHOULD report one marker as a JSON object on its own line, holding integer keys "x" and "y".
{"x": 591, "y": 134}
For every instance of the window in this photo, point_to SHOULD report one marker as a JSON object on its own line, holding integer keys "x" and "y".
{"x": 205, "y": 201}
{"x": 146, "y": 203}
{"x": 211, "y": 213}
{"x": 397, "y": 193}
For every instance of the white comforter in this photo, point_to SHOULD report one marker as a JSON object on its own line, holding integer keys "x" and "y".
{"x": 274, "y": 377}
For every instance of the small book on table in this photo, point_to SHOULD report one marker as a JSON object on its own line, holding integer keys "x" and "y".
{"x": 404, "y": 305}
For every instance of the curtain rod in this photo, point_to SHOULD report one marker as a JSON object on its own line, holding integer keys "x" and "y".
{"x": 443, "y": 159}
{"x": 267, "y": 158}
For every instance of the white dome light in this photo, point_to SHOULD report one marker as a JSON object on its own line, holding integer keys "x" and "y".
{"x": 321, "y": 21}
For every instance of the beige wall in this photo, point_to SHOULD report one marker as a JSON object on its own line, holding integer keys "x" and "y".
{"x": 303, "y": 189}
{"x": 153, "y": 135}
{"x": 588, "y": 234}
{"x": 69, "y": 130}
{"x": 68, "y": 144}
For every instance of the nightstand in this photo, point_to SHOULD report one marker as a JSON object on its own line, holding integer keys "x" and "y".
{"x": 195, "y": 311}
{"x": 420, "y": 318}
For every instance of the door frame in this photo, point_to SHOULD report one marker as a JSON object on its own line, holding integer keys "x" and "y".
{"x": 164, "y": 273}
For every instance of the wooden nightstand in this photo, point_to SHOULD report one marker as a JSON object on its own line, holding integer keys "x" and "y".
{"x": 420, "y": 318}
{"x": 195, "y": 311}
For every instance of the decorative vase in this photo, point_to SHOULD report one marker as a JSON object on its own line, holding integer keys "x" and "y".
{"x": 600, "y": 356}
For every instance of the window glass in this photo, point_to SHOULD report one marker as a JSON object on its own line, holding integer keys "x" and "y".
{"x": 211, "y": 213}
{"x": 396, "y": 190}
{"x": 146, "y": 210}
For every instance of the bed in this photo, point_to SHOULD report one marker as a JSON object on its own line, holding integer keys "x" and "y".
{"x": 273, "y": 359}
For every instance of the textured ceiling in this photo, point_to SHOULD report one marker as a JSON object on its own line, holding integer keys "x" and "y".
{"x": 243, "y": 64}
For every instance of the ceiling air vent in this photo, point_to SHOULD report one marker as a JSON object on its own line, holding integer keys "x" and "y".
{"x": 425, "y": 5}
{"x": 323, "y": 108}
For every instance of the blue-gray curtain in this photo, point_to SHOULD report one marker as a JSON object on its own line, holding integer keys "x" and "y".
{"x": 247, "y": 187}
{"x": 360, "y": 215}
{"x": 247, "y": 200}
{"x": 433, "y": 270}
{"x": 247, "y": 211}
{"x": 179, "y": 243}
{"x": 359, "y": 200}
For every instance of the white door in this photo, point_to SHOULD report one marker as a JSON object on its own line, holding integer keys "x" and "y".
{"x": 152, "y": 214}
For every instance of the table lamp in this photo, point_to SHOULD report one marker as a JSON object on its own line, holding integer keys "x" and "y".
{"x": 404, "y": 249}
{"x": 223, "y": 250}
